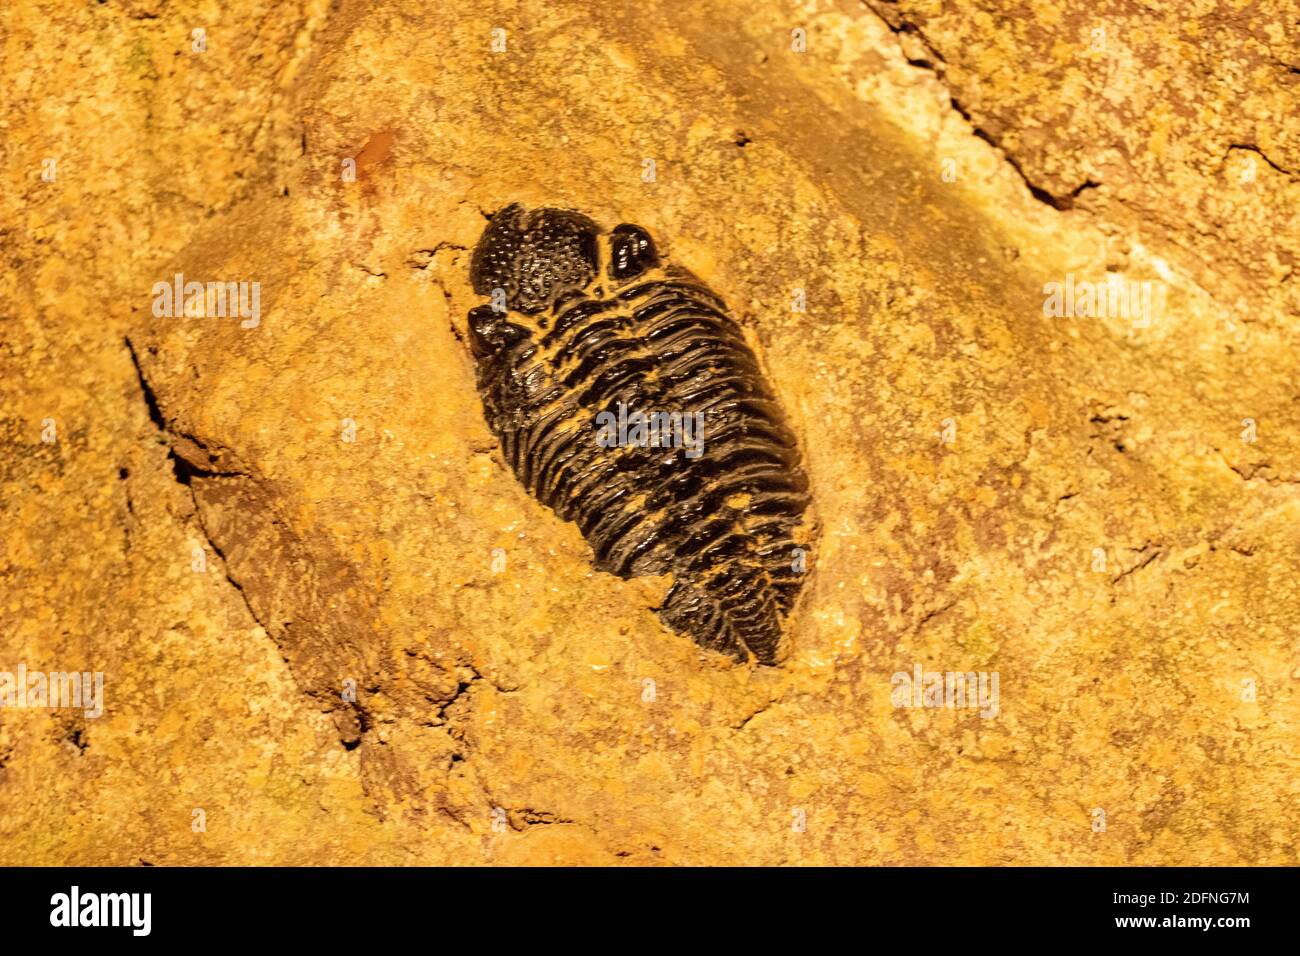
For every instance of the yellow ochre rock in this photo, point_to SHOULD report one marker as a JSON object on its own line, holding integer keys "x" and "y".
{"x": 1025, "y": 286}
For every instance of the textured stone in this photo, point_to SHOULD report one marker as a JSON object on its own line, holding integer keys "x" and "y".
{"x": 968, "y": 454}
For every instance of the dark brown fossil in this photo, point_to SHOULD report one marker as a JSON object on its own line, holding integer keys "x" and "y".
{"x": 588, "y": 329}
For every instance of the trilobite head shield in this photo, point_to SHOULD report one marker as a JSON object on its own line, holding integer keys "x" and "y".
{"x": 535, "y": 257}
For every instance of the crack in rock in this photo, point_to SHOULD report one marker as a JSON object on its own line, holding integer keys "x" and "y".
{"x": 911, "y": 35}
{"x": 237, "y": 518}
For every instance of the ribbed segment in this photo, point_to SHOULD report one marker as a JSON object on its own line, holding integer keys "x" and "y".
{"x": 722, "y": 523}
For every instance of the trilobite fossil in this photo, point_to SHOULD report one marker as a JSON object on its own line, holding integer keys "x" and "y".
{"x": 596, "y": 361}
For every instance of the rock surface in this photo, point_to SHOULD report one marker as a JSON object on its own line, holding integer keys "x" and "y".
{"x": 239, "y": 522}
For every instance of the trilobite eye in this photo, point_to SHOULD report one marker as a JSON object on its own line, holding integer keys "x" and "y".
{"x": 632, "y": 251}
{"x": 490, "y": 331}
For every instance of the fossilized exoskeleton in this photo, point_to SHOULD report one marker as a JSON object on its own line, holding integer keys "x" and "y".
{"x": 627, "y": 400}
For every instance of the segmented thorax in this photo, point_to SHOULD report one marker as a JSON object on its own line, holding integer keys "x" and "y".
{"x": 627, "y": 400}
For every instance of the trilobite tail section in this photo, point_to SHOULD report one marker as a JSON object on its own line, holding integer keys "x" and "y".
{"x": 729, "y": 627}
